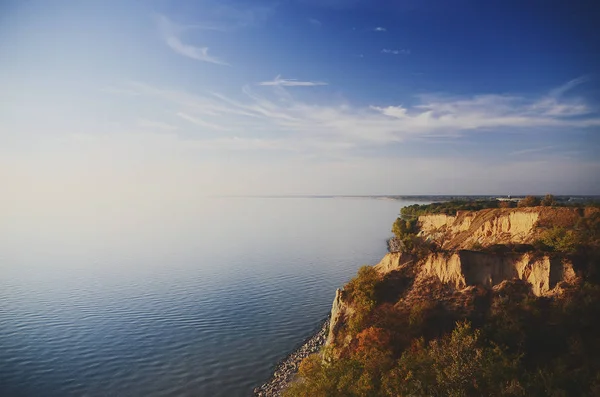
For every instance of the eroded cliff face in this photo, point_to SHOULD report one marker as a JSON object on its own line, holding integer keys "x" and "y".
{"x": 340, "y": 311}
{"x": 493, "y": 226}
{"x": 467, "y": 268}
{"x": 457, "y": 267}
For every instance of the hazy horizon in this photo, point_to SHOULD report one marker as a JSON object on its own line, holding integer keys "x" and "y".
{"x": 118, "y": 102}
{"x": 158, "y": 161}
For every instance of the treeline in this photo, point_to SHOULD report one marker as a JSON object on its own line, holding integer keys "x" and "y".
{"x": 447, "y": 207}
{"x": 453, "y": 206}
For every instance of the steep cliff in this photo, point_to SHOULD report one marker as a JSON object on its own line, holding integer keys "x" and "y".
{"x": 459, "y": 268}
{"x": 494, "y": 302}
{"x": 496, "y": 226}
{"x": 340, "y": 311}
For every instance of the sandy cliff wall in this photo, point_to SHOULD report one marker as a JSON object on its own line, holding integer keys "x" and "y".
{"x": 340, "y": 311}
{"x": 458, "y": 266}
{"x": 496, "y": 226}
{"x": 467, "y": 268}
{"x": 488, "y": 227}
{"x": 462, "y": 269}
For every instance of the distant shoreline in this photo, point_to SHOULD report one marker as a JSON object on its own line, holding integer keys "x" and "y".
{"x": 432, "y": 197}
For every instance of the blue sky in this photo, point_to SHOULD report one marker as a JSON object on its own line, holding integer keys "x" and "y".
{"x": 179, "y": 99}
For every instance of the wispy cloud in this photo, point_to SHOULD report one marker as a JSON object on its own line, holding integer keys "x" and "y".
{"x": 224, "y": 16}
{"x": 559, "y": 91}
{"x": 120, "y": 91}
{"x": 199, "y": 122}
{"x": 554, "y": 104}
{"x": 315, "y": 22}
{"x": 238, "y": 16}
{"x": 156, "y": 125}
{"x": 171, "y": 35}
{"x": 532, "y": 150}
{"x": 380, "y": 29}
{"x": 343, "y": 126}
{"x": 395, "y": 52}
{"x": 279, "y": 82}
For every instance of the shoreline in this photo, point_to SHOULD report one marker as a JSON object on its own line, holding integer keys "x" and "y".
{"x": 287, "y": 368}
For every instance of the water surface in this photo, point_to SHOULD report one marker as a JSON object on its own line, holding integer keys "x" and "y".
{"x": 174, "y": 302}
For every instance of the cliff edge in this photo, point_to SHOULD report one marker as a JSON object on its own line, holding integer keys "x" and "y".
{"x": 483, "y": 301}
{"x": 479, "y": 249}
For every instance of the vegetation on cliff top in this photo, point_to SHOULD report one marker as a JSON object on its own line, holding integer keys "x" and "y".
{"x": 453, "y": 206}
{"x": 571, "y": 235}
{"x": 428, "y": 340}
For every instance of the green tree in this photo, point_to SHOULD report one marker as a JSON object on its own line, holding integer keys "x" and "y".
{"x": 403, "y": 228}
{"x": 455, "y": 365}
{"x": 361, "y": 294}
{"x": 560, "y": 239}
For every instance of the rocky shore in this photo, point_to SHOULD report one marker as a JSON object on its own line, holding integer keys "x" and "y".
{"x": 287, "y": 368}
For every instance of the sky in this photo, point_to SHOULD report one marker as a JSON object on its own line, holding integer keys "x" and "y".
{"x": 119, "y": 102}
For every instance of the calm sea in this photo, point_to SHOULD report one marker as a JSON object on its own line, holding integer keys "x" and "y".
{"x": 175, "y": 303}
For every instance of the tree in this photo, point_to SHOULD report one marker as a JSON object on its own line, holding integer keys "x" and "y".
{"x": 506, "y": 204}
{"x": 361, "y": 293}
{"x": 548, "y": 200}
{"x": 403, "y": 228}
{"x": 529, "y": 201}
{"x": 561, "y": 240}
{"x": 456, "y": 365}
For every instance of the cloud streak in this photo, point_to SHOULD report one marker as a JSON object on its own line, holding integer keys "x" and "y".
{"x": 170, "y": 33}
{"x": 279, "y": 82}
{"x": 199, "y": 122}
{"x": 315, "y": 22}
{"x": 532, "y": 150}
{"x": 395, "y": 52}
{"x": 342, "y": 127}
{"x": 380, "y": 29}
{"x": 156, "y": 125}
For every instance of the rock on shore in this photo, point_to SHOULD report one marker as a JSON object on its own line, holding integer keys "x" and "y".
{"x": 285, "y": 371}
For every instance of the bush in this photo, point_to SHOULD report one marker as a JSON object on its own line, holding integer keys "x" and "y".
{"x": 402, "y": 228}
{"x": 456, "y": 365}
{"x": 317, "y": 378}
{"x": 529, "y": 201}
{"x": 358, "y": 374}
{"x": 559, "y": 239}
{"x": 507, "y": 204}
{"x": 406, "y": 237}
{"x": 448, "y": 207}
{"x": 361, "y": 294}
{"x": 548, "y": 200}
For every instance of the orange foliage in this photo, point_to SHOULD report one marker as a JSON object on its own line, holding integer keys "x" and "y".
{"x": 372, "y": 339}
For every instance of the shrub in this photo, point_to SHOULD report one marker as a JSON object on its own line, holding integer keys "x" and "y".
{"x": 361, "y": 293}
{"x": 548, "y": 200}
{"x": 317, "y": 378}
{"x": 455, "y": 365}
{"x": 447, "y": 207}
{"x": 529, "y": 201}
{"x": 361, "y": 289}
{"x": 402, "y": 228}
{"x": 559, "y": 239}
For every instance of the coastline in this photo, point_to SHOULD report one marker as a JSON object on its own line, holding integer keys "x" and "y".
{"x": 287, "y": 368}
